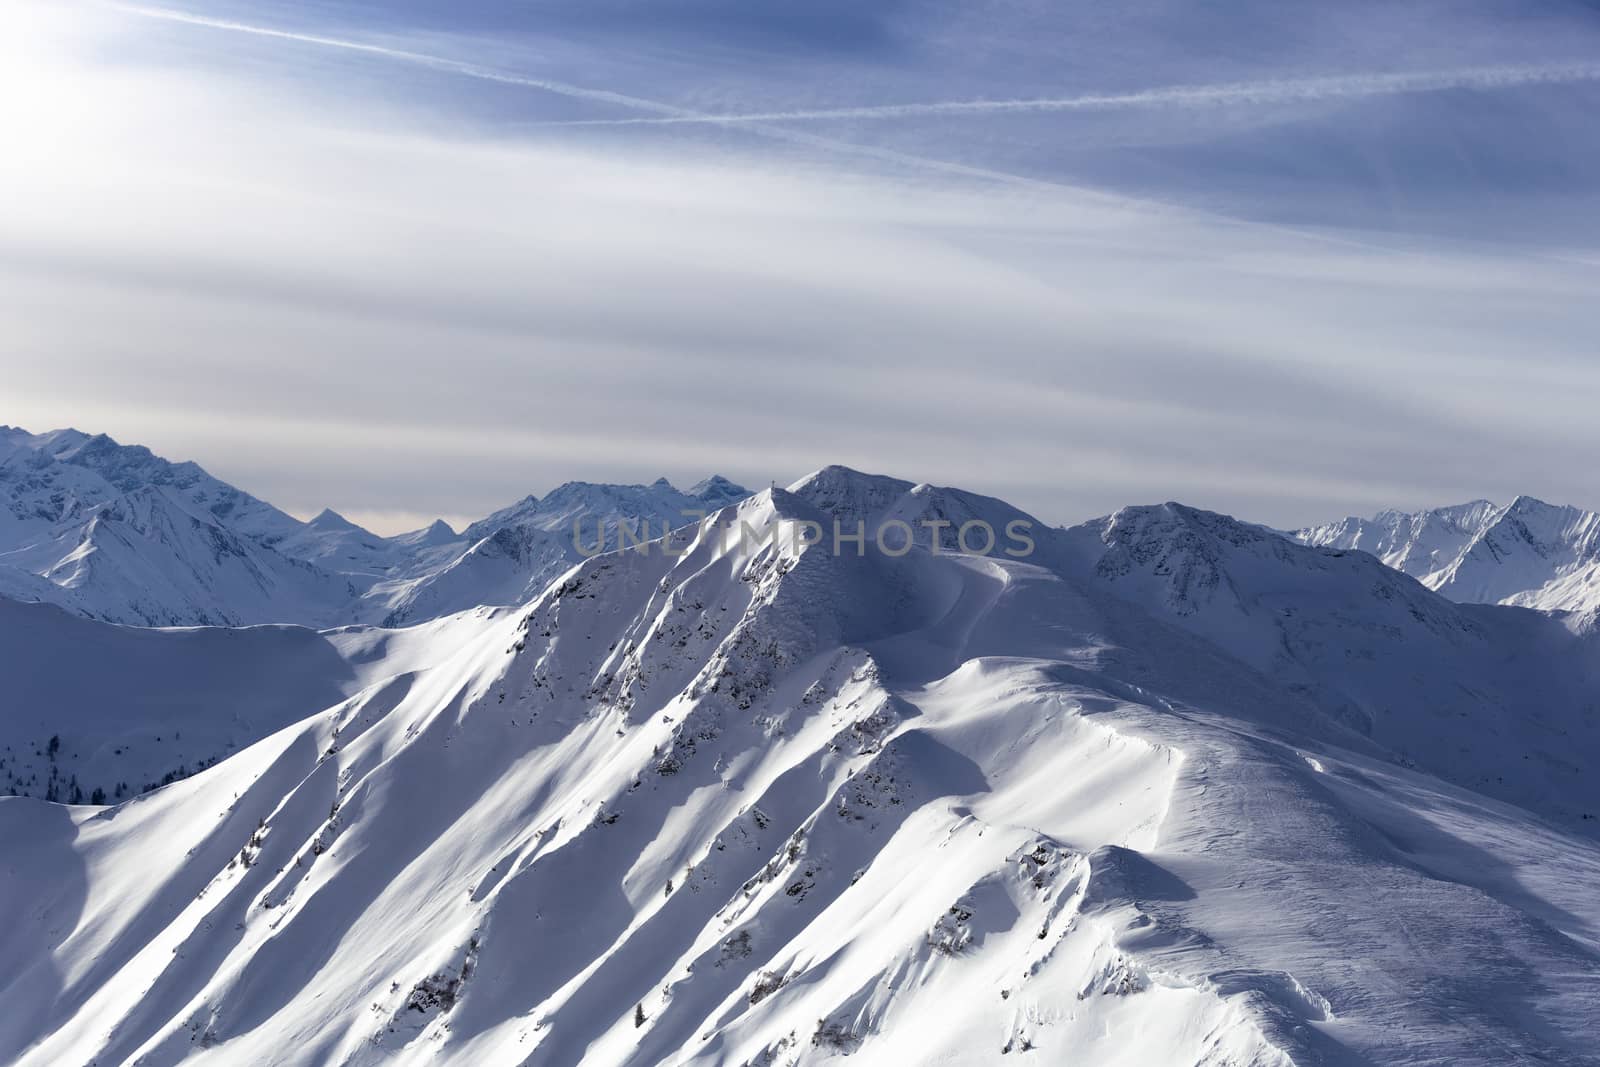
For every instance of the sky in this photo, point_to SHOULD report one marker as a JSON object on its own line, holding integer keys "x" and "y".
{"x": 420, "y": 258}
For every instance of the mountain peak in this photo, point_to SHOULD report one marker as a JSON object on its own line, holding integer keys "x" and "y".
{"x": 1530, "y": 553}
{"x": 511, "y": 513}
{"x": 328, "y": 519}
{"x": 53, "y": 441}
{"x": 1524, "y": 504}
{"x": 1143, "y": 521}
{"x": 436, "y": 533}
{"x": 844, "y": 491}
{"x": 718, "y": 491}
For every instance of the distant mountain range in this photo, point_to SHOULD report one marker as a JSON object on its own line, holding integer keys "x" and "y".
{"x": 114, "y": 532}
{"x": 1526, "y": 553}
{"x": 509, "y": 557}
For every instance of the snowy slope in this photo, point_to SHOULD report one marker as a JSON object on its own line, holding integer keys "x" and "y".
{"x": 146, "y": 560}
{"x": 154, "y": 705}
{"x": 1527, "y": 553}
{"x": 1373, "y": 650}
{"x": 1144, "y": 797}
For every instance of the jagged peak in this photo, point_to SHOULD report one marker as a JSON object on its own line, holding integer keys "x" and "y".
{"x": 1524, "y": 504}
{"x": 605, "y": 504}
{"x": 1395, "y": 516}
{"x": 67, "y": 433}
{"x": 1548, "y": 527}
{"x": 719, "y": 490}
{"x": 1150, "y": 518}
{"x": 51, "y": 441}
{"x": 17, "y": 433}
{"x": 1479, "y": 504}
{"x": 839, "y": 474}
{"x": 437, "y": 532}
{"x": 328, "y": 519}
{"x": 845, "y": 492}
{"x": 569, "y": 490}
{"x": 510, "y": 513}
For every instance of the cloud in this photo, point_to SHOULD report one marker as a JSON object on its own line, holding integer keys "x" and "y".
{"x": 661, "y": 111}
{"x": 334, "y": 302}
{"x": 400, "y": 55}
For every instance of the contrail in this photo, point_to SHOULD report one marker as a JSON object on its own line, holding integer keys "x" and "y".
{"x": 658, "y": 110}
{"x": 763, "y": 125}
{"x": 452, "y": 66}
{"x": 1288, "y": 90}
{"x": 1277, "y": 91}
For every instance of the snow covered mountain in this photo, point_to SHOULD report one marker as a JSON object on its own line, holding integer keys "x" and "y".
{"x": 1528, "y": 552}
{"x": 1167, "y": 789}
{"x": 334, "y": 543}
{"x": 116, "y": 533}
{"x": 51, "y": 479}
{"x": 144, "y": 558}
{"x": 510, "y": 556}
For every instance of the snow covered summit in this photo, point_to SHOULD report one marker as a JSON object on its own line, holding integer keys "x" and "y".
{"x": 55, "y": 477}
{"x": 508, "y": 557}
{"x": 1527, "y": 552}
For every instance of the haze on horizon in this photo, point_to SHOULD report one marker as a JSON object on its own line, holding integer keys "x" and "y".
{"x": 418, "y": 259}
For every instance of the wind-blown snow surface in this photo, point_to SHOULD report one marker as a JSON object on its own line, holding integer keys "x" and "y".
{"x": 1171, "y": 790}
{"x": 1529, "y": 553}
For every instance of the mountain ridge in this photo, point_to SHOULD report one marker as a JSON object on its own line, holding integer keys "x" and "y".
{"x": 56, "y": 487}
{"x": 766, "y": 803}
{"x": 1527, "y": 553}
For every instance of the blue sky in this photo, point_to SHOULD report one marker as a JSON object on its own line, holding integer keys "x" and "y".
{"x": 1287, "y": 260}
